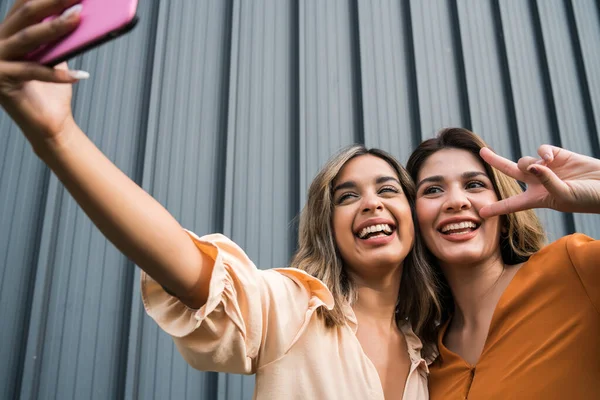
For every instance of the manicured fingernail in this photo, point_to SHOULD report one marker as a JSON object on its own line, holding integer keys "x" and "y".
{"x": 76, "y": 9}
{"x": 79, "y": 74}
{"x": 548, "y": 157}
{"x": 535, "y": 170}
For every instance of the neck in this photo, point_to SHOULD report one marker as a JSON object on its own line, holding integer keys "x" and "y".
{"x": 476, "y": 289}
{"x": 376, "y": 302}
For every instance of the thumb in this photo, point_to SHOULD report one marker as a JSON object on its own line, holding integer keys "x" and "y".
{"x": 553, "y": 184}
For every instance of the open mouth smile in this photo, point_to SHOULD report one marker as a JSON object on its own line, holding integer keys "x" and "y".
{"x": 373, "y": 231}
{"x": 459, "y": 228}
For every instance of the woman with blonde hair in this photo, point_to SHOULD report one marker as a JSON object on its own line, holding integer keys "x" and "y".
{"x": 352, "y": 319}
{"x": 520, "y": 318}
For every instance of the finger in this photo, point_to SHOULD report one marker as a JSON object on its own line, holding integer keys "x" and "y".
{"x": 15, "y": 7}
{"x": 25, "y": 41}
{"x": 525, "y": 162}
{"x": 553, "y": 184}
{"x": 26, "y": 71}
{"x": 547, "y": 152}
{"x": 33, "y": 12}
{"x": 502, "y": 164}
{"x": 512, "y": 204}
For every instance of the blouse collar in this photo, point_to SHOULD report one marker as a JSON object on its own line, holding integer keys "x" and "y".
{"x": 413, "y": 342}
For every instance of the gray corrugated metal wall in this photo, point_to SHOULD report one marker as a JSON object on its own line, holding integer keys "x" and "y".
{"x": 224, "y": 110}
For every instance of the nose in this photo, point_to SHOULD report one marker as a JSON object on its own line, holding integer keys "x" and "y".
{"x": 457, "y": 200}
{"x": 371, "y": 202}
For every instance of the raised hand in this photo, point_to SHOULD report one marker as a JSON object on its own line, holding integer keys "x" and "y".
{"x": 559, "y": 179}
{"x": 38, "y": 98}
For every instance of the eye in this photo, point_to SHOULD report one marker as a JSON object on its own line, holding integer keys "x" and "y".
{"x": 345, "y": 197}
{"x": 432, "y": 190}
{"x": 389, "y": 189}
{"x": 475, "y": 185}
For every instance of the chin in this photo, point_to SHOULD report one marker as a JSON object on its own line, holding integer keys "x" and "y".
{"x": 464, "y": 257}
{"x": 392, "y": 258}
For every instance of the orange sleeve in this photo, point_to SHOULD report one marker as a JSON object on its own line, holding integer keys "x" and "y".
{"x": 584, "y": 253}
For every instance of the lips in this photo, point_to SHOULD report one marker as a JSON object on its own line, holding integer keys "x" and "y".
{"x": 375, "y": 230}
{"x": 458, "y": 226}
{"x": 376, "y": 227}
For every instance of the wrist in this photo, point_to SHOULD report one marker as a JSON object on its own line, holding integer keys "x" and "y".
{"x": 49, "y": 146}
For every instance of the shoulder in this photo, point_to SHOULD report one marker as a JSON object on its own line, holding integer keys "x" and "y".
{"x": 301, "y": 282}
{"x": 561, "y": 246}
{"x": 217, "y": 244}
{"x": 567, "y": 251}
{"x": 577, "y": 240}
{"x": 239, "y": 272}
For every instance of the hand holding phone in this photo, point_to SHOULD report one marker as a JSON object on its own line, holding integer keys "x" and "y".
{"x": 101, "y": 21}
{"x": 36, "y": 97}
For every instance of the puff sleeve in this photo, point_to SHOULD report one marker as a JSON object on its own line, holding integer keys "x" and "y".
{"x": 251, "y": 317}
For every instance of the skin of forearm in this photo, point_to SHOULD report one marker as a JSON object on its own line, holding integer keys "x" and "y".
{"x": 138, "y": 225}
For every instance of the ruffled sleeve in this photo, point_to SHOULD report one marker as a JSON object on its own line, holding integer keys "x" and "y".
{"x": 584, "y": 253}
{"x": 251, "y": 316}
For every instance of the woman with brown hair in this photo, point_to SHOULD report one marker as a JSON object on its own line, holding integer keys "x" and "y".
{"x": 339, "y": 324}
{"x": 520, "y": 319}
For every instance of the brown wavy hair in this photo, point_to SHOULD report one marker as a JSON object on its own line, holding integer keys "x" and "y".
{"x": 318, "y": 254}
{"x": 522, "y": 232}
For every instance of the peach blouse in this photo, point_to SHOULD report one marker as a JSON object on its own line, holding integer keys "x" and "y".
{"x": 264, "y": 322}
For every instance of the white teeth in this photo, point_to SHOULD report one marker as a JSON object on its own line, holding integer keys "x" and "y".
{"x": 374, "y": 228}
{"x": 462, "y": 225}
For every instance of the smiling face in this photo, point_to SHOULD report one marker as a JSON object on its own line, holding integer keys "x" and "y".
{"x": 452, "y": 186}
{"x": 372, "y": 219}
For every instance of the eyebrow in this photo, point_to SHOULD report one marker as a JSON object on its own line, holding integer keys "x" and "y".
{"x": 352, "y": 184}
{"x": 440, "y": 178}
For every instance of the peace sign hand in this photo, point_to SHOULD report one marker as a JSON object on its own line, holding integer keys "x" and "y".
{"x": 560, "y": 180}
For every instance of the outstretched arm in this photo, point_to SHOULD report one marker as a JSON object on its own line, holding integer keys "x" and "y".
{"x": 560, "y": 179}
{"x": 38, "y": 99}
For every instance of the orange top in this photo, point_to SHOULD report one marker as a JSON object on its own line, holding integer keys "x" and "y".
{"x": 544, "y": 337}
{"x": 264, "y": 322}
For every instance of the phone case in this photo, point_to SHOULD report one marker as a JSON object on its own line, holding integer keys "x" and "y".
{"x": 101, "y": 21}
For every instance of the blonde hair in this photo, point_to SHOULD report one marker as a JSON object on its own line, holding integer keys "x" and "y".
{"x": 318, "y": 254}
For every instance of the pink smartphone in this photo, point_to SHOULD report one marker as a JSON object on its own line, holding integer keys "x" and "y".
{"x": 101, "y": 21}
